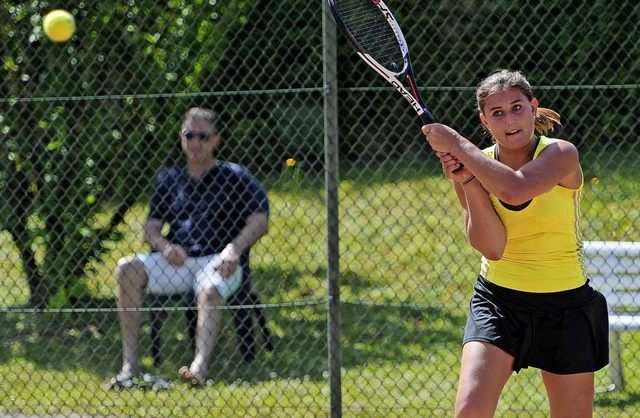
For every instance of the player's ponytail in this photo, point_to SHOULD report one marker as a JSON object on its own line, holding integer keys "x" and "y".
{"x": 545, "y": 120}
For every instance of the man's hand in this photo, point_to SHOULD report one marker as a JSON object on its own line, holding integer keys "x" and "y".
{"x": 228, "y": 261}
{"x": 175, "y": 254}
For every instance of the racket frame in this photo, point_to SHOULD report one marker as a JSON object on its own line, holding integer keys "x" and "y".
{"x": 413, "y": 96}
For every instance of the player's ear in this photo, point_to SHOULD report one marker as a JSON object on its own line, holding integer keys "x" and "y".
{"x": 534, "y": 106}
{"x": 483, "y": 119}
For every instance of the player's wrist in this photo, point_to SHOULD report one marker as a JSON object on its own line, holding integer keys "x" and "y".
{"x": 468, "y": 180}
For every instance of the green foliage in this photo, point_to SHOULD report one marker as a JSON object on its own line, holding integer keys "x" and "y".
{"x": 81, "y": 124}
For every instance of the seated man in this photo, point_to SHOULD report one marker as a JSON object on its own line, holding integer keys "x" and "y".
{"x": 215, "y": 211}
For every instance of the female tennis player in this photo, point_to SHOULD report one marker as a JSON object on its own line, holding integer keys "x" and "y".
{"x": 532, "y": 304}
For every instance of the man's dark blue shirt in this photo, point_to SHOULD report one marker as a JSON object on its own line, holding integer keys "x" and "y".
{"x": 205, "y": 216}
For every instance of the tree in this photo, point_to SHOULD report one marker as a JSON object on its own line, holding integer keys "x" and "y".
{"x": 86, "y": 123}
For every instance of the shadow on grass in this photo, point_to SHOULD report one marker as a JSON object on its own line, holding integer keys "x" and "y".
{"x": 90, "y": 339}
{"x": 617, "y": 400}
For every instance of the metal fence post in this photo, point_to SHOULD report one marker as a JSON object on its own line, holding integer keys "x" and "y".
{"x": 331, "y": 182}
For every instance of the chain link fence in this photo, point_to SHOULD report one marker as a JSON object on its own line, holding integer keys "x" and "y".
{"x": 365, "y": 274}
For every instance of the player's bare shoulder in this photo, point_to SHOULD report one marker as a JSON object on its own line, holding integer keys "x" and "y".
{"x": 564, "y": 155}
{"x": 560, "y": 148}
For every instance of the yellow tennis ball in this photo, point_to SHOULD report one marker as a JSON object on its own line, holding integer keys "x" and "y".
{"x": 59, "y": 25}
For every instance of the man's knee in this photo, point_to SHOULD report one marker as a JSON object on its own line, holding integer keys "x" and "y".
{"x": 130, "y": 272}
{"x": 210, "y": 296}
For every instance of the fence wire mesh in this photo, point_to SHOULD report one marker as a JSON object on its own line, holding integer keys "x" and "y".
{"x": 87, "y": 124}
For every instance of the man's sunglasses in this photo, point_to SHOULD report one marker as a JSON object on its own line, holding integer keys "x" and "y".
{"x": 202, "y": 136}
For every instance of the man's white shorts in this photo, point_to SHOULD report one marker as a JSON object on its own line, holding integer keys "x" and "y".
{"x": 195, "y": 273}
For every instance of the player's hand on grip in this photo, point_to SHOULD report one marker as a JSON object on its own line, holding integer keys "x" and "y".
{"x": 452, "y": 168}
{"x": 444, "y": 139}
{"x": 441, "y": 137}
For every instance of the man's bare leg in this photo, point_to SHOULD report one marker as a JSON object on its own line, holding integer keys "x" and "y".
{"x": 132, "y": 280}
{"x": 207, "y": 331}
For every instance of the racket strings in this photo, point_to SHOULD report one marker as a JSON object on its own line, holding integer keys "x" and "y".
{"x": 370, "y": 28}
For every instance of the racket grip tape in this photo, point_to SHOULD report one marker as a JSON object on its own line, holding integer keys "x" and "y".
{"x": 426, "y": 117}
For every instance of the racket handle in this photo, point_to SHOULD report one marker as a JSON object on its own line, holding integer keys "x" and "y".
{"x": 427, "y": 117}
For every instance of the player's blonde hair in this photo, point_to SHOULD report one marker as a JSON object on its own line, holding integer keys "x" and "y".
{"x": 503, "y": 80}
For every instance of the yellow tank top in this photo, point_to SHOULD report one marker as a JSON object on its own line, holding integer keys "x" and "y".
{"x": 544, "y": 242}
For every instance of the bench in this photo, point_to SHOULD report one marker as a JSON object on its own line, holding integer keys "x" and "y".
{"x": 614, "y": 269}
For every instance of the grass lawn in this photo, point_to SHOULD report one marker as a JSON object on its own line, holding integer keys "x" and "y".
{"x": 406, "y": 276}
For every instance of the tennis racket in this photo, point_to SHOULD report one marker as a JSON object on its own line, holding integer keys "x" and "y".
{"x": 376, "y": 36}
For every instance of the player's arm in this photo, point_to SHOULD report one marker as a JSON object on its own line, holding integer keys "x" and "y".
{"x": 557, "y": 164}
{"x": 484, "y": 229}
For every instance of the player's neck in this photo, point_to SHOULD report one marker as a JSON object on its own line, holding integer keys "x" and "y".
{"x": 517, "y": 159}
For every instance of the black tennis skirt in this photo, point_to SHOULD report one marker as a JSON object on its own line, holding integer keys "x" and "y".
{"x": 561, "y": 332}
